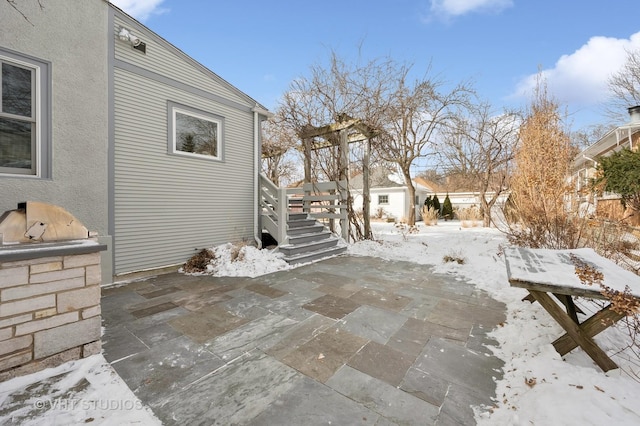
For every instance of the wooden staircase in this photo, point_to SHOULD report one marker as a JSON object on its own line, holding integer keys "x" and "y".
{"x": 301, "y": 237}
{"x": 309, "y": 240}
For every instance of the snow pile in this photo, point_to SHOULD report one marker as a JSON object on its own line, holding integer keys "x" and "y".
{"x": 233, "y": 260}
{"x": 86, "y": 391}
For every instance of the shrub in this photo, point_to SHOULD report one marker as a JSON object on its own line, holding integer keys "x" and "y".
{"x": 447, "y": 208}
{"x": 454, "y": 257}
{"x": 470, "y": 216}
{"x": 429, "y": 215}
{"x": 436, "y": 203}
{"x": 199, "y": 261}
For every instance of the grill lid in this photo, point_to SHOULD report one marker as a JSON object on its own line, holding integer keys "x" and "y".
{"x": 34, "y": 221}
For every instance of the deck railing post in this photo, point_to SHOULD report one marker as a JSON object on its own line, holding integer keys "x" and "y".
{"x": 283, "y": 216}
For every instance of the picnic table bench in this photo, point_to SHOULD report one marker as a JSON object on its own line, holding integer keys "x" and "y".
{"x": 545, "y": 273}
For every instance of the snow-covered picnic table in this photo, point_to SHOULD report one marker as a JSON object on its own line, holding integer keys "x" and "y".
{"x": 566, "y": 274}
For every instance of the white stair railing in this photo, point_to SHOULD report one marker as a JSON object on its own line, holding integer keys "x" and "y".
{"x": 273, "y": 209}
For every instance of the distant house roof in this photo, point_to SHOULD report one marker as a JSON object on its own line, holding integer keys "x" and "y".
{"x": 431, "y": 186}
{"x": 378, "y": 178}
{"x": 627, "y": 135}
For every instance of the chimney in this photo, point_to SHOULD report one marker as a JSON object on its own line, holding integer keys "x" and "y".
{"x": 634, "y": 114}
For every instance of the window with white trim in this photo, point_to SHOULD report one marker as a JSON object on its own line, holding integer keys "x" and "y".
{"x": 383, "y": 199}
{"x": 195, "y": 133}
{"x": 24, "y": 112}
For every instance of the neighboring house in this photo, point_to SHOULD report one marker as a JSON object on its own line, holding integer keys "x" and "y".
{"x": 140, "y": 142}
{"x": 584, "y": 166}
{"x": 389, "y": 195}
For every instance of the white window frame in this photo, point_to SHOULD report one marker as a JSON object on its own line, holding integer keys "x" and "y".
{"x": 175, "y": 108}
{"x": 383, "y": 203}
{"x": 40, "y": 115}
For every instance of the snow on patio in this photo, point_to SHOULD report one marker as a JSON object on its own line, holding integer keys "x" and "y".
{"x": 538, "y": 387}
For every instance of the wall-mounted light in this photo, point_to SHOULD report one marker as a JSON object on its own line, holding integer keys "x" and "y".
{"x": 125, "y": 35}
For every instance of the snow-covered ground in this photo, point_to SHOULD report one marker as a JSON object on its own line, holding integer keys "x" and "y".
{"x": 538, "y": 388}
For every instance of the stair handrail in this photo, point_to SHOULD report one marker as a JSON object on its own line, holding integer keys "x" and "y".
{"x": 274, "y": 209}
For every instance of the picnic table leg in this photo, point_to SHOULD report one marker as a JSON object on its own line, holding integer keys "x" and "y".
{"x": 567, "y": 301}
{"x": 581, "y": 338}
{"x": 594, "y": 325}
{"x": 571, "y": 307}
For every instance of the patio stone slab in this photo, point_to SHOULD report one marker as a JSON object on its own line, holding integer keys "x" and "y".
{"x": 197, "y": 301}
{"x": 456, "y": 364}
{"x": 395, "y": 405}
{"x": 339, "y": 291}
{"x": 145, "y": 312}
{"x": 306, "y": 403}
{"x": 153, "y": 292}
{"x": 382, "y": 362}
{"x": 320, "y": 357}
{"x": 158, "y": 373}
{"x": 207, "y": 323}
{"x": 381, "y": 299}
{"x": 249, "y": 336}
{"x": 118, "y": 342}
{"x": 266, "y": 290}
{"x": 155, "y": 334}
{"x": 373, "y": 323}
{"x": 232, "y": 395}
{"x": 408, "y": 340}
{"x": 457, "y": 407}
{"x": 425, "y": 386}
{"x": 296, "y": 336}
{"x": 331, "y": 306}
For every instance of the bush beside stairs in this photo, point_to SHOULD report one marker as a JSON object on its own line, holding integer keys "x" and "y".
{"x": 309, "y": 240}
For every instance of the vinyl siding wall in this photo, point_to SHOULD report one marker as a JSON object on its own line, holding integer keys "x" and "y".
{"x": 167, "y": 206}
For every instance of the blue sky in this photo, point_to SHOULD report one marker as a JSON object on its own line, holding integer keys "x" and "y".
{"x": 500, "y": 45}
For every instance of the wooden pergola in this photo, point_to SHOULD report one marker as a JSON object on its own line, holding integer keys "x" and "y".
{"x": 344, "y": 131}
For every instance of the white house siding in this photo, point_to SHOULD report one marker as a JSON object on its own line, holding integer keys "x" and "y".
{"x": 167, "y": 206}
{"x": 71, "y": 36}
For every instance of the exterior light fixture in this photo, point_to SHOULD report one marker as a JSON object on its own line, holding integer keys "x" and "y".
{"x": 125, "y": 35}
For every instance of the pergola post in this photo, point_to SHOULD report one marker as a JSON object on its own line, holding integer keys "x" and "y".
{"x": 343, "y": 167}
{"x": 307, "y": 173}
{"x": 366, "y": 191}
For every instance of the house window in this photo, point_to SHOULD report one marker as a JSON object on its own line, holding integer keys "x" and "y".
{"x": 195, "y": 133}
{"x": 24, "y": 112}
{"x": 383, "y": 199}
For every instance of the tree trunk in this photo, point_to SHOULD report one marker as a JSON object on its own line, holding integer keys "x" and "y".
{"x": 411, "y": 219}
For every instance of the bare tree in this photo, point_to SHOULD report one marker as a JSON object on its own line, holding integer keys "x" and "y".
{"x": 625, "y": 87}
{"x": 587, "y": 136}
{"x": 414, "y": 114}
{"x": 278, "y": 147}
{"x": 480, "y": 147}
{"x": 357, "y": 90}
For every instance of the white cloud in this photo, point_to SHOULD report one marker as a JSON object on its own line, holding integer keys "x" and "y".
{"x": 581, "y": 77}
{"x": 140, "y": 9}
{"x": 450, "y": 8}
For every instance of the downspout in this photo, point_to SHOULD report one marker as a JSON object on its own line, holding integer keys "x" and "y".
{"x": 258, "y": 112}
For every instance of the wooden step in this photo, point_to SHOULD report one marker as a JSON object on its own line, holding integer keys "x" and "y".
{"x": 315, "y": 255}
{"x": 295, "y": 249}
{"x": 310, "y": 237}
{"x": 315, "y": 228}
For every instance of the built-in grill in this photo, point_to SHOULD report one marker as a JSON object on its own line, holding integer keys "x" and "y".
{"x": 39, "y": 222}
